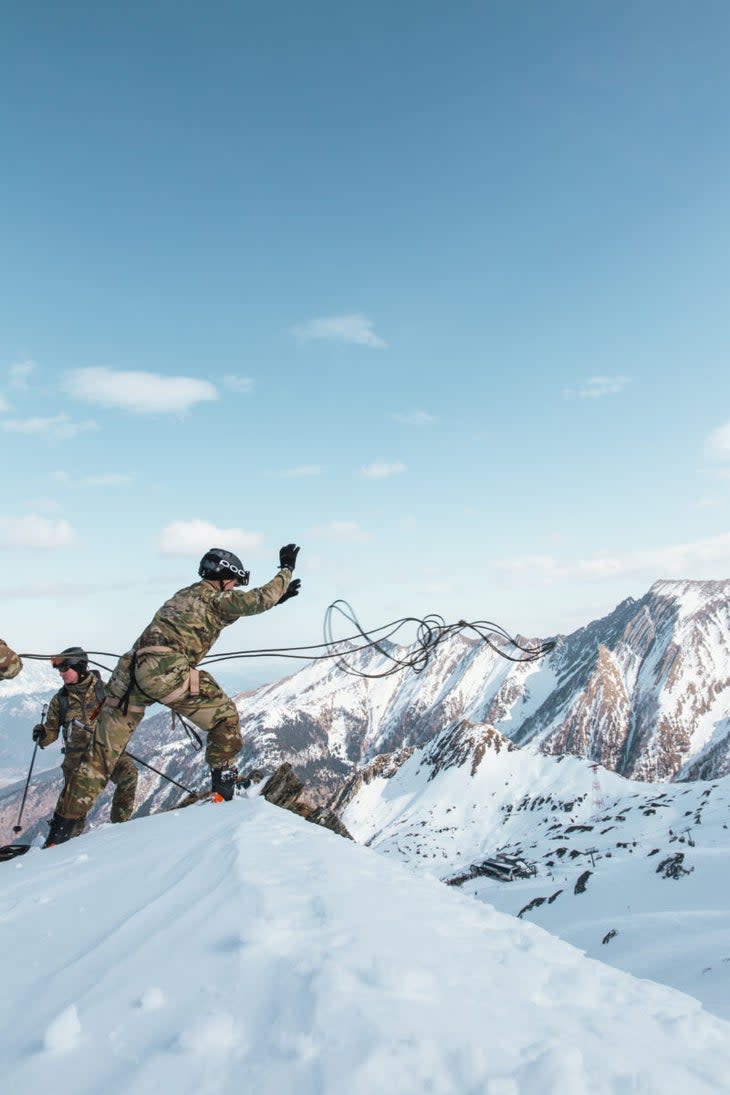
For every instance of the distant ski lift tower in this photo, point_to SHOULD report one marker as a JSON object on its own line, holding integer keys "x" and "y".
{"x": 599, "y": 803}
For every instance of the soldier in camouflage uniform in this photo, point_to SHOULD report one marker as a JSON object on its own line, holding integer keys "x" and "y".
{"x": 73, "y": 711}
{"x": 161, "y": 668}
{"x": 10, "y": 663}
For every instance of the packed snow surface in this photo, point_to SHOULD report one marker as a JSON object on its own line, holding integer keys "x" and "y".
{"x": 629, "y": 913}
{"x": 239, "y": 948}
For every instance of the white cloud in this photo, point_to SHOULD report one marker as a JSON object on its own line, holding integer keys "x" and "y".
{"x": 196, "y": 537}
{"x": 238, "y": 383}
{"x": 18, "y": 374}
{"x": 671, "y": 561}
{"x": 141, "y": 393}
{"x": 60, "y": 588}
{"x": 32, "y": 531}
{"x": 45, "y": 505}
{"x": 352, "y": 327}
{"x": 112, "y": 479}
{"x": 413, "y": 418}
{"x": 349, "y": 531}
{"x": 59, "y": 427}
{"x": 596, "y": 387}
{"x": 717, "y": 445}
{"x": 379, "y": 469}
{"x": 302, "y": 471}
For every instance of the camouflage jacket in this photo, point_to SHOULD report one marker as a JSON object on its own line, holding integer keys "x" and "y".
{"x": 10, "y": 663}
{"x": 73, "y": 709}
{"x": 191, "y": 621}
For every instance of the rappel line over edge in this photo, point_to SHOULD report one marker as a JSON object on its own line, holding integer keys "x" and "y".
{"x": 431, "y": 632}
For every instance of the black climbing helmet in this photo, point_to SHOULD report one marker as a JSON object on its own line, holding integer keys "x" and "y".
{"x": 218, "y": 565}
{"x": 73, "y": 657}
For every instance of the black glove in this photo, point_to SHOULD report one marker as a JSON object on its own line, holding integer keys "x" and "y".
{"x": 288, "y": 556}
{"x": 39, "y": 732}
{"x": 292, "y": 591}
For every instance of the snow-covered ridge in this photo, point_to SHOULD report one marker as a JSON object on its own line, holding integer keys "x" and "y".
{"x": 236, "y": 947}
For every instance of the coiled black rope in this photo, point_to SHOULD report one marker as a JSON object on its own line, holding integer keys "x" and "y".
{"x": 431, "y": 632}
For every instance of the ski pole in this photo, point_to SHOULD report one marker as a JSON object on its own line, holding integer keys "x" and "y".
{"x": 18, "y": 827}
{"x": 158, "y": 772}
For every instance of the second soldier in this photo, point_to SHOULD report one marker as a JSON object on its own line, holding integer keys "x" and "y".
{"x": 73, "y": 712}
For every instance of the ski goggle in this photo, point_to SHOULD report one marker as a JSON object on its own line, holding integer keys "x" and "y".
{"x": 61, "y": 664}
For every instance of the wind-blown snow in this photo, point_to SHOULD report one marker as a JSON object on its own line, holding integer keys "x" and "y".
{"x": 63, "y": 1033}
{"x": 239, "y": 948}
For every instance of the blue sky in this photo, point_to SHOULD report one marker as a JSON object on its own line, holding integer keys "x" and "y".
{"x": 439, "y": 292}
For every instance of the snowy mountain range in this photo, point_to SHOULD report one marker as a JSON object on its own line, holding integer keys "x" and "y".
{"x": 645, "y": 692}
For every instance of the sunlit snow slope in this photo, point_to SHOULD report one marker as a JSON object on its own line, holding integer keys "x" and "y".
{"x": 238, "y": 948}
{"x": 634, "y": 873}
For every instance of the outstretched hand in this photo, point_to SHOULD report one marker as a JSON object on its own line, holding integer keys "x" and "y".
{"x": 288, "y": 556}
{"x": 292, "y": 591}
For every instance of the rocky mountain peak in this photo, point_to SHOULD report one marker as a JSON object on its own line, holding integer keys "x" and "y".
{"x": 688, "y": 595}
{"x": 464, "y": 742}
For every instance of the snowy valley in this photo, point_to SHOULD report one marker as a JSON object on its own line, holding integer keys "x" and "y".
{"x": 634, "y": 874}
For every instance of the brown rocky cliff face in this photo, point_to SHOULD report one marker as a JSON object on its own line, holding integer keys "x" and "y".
{"x": 640, "y": 691}
{"x": 684, "y": 682}
{"x": 597, "y": 724}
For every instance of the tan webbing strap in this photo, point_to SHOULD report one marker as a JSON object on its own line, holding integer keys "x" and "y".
{"x": 155, "y": 650}
{"x": 194, "y": 682}
{"x": 111, "y": 701}
{"x": 190, "y": 685}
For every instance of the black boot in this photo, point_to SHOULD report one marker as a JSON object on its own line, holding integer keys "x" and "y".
{"x": 62, "y": 829}
{"x": 223, "y": 782}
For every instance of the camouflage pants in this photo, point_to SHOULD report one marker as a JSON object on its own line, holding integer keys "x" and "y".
{"x": 157, "y": 678}
{"x": 123, "y": 775}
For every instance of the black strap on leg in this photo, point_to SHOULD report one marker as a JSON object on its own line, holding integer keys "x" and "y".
{"x": 193, "y": 736}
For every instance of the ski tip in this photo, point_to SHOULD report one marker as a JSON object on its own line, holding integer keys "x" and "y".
{"x": 11, "y": 851}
